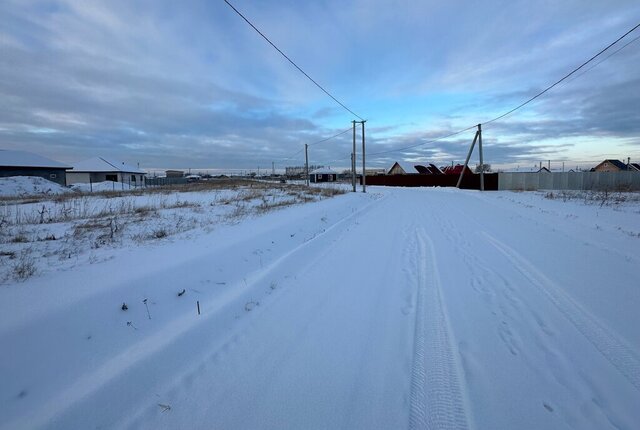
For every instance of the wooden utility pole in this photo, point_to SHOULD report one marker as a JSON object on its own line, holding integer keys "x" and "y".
{"x": 466, "y": 162}
{"x": 353, "y": 158}
{"x": 306, "y": 163}
{"x": 477, "y": 138}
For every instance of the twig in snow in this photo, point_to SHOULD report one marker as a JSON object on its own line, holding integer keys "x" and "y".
{"x": 124, "y": 306}
{"x": 130, "y": 324}
{"x": 164, "y": 408}
{"x": 181, "y": 293}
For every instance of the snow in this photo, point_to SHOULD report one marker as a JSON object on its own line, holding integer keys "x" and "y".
{"x": 462, "y": 310}
{"x": 102, "y": 186}
{"x": 15, "y": 158}
{"x": 323, "y": 171}
{"x": 23, "y": 186}
{"x": 101, "y": 164}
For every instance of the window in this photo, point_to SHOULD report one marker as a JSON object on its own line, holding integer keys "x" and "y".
{"x": 133, "y": 178}
{"x": 52, "y": 176}
{"x": 112, "y": 178}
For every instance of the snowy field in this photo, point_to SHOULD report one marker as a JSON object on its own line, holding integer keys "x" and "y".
{"x": 399, "y": 308}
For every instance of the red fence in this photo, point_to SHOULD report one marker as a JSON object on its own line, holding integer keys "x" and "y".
{"x": 469, "y": 182}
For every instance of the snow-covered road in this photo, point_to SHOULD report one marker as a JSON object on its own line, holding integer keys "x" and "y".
{"x": 401, "y": 308}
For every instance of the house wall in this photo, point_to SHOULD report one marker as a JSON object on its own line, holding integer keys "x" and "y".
{"x": 606, "y": 167}
{"x": 52, "y": 174}
{"x": 397, "y": 170}
{"x": 77, "y": 178}
{"x": 322, "y": 178}
{"x": 95, "y": 177}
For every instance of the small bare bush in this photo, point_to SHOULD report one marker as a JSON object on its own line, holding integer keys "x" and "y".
{"x": 20, "y": 238}
{"x": 159, "y": 233}
{"x": 25, "y": 267}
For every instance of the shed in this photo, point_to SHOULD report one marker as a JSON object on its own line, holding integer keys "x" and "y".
{"x": 23, "y": 163}
{"x": 323, "y": 175}
{"x": 99, "y": 169}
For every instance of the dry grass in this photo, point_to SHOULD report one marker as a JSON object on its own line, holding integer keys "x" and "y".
{"x": 67, "y": 230}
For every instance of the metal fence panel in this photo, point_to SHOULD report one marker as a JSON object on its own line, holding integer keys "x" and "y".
{"x": 611, "y": 181}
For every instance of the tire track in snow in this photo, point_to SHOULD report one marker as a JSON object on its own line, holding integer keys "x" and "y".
{"x": 613, "y": 348}
{"x": 436, "y": 398}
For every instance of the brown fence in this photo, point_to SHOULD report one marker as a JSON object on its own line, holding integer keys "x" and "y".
{"x": 469, "y": 182}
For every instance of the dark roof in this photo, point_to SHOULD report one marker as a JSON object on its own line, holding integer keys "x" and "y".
{"x": 14, "y": 158}
{"x": 636, "y": 166}
{"x": 422, "y": 169}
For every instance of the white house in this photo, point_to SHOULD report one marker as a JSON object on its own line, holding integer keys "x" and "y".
{"x": 99, "y": 169}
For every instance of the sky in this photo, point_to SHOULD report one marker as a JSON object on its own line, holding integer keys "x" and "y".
{"x": 189, "y": 84}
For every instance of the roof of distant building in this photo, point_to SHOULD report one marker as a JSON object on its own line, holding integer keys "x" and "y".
{"x": 100, "y": 164}
{"x": 323, "y": 171}
{"x": 13, "y": 158}
{"x": 619, "y": 164}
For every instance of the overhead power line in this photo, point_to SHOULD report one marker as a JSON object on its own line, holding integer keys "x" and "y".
{"x": 532, "y": 98}
{"x": 424, "y": 143}
{"x": 317, "y": 142}
{"x": 521, "y": 105}
{"x": 291, "y": 61}
{"x": 332, "y": 137}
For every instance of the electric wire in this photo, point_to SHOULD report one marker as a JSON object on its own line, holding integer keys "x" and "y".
{"x": 291, "y": 61}
{"x": 530, "y": 99}
{"x": 635, "y": 39}
{"x": 332, "y": 137}
{"x": 521, "y": 105}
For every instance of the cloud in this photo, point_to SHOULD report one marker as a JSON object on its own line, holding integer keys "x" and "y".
{"x": 169, "y": 85}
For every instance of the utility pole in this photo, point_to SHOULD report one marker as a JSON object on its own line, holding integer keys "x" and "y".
{"x": 306, "y": 163}
{"x": 481, "y": 158}
{"x": 353, "y": 158}
{"x": 364, "y": 172}
{"x": 466, "y": 161}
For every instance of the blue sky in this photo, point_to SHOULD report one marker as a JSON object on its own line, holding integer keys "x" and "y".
{"x": 189, "y": 84}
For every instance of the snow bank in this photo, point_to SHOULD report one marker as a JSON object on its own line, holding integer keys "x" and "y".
{"x": 18, "y": 186}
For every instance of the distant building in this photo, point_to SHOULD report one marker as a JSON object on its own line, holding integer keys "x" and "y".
{"x": 375, "y": 171}
{"x": 22, "y": 163}
{"x": 174, "y": 173}
{"x": 396, "y": 169}
{"x": 610, "y": 166}
{"x": 407, "y": 169}
{"x": 299, "y": 171}
{"x": 100, "y": 169}
{"x": 323, "y": 175}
